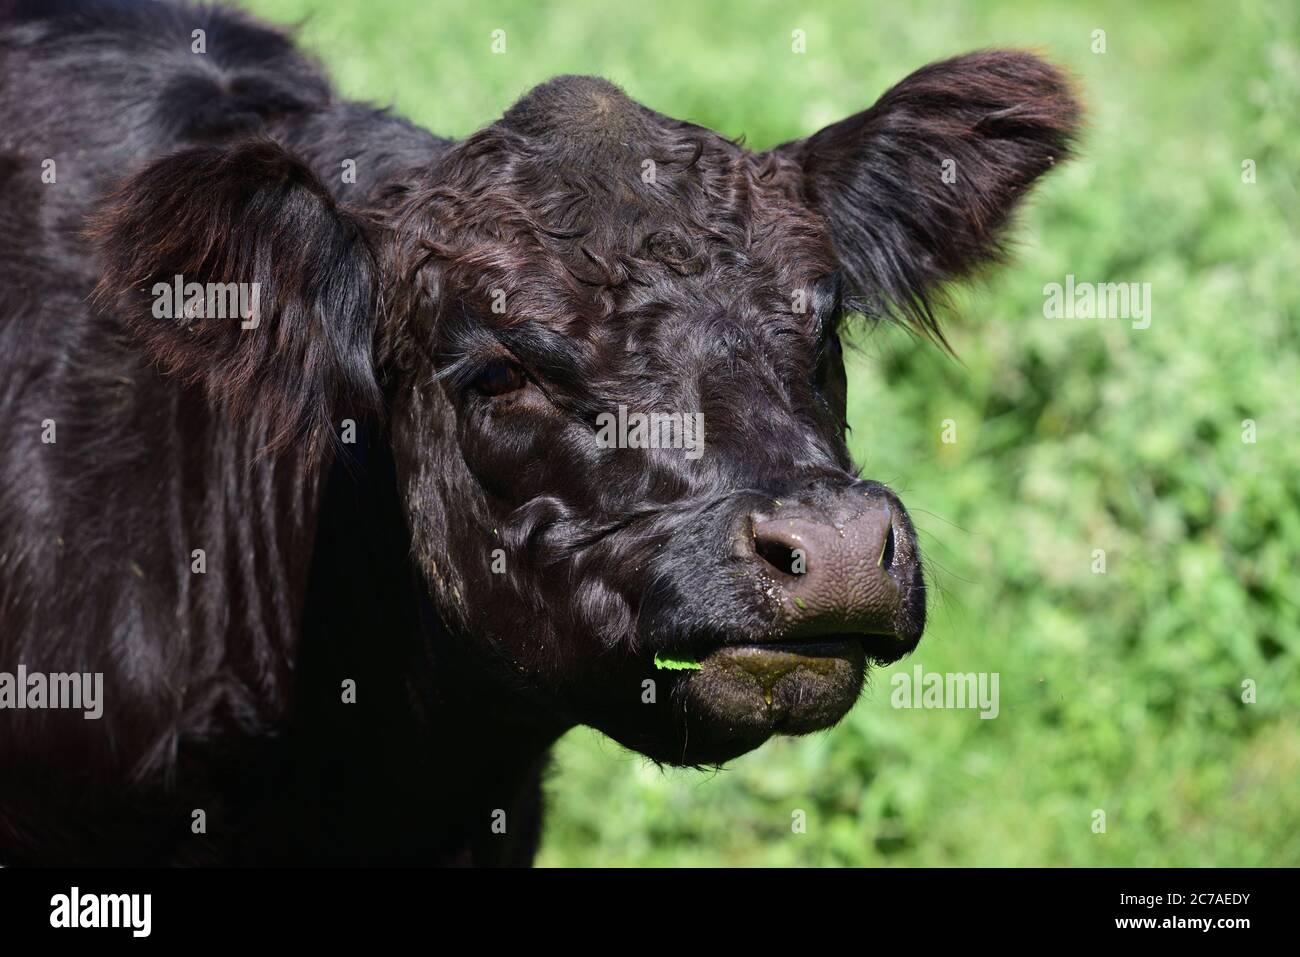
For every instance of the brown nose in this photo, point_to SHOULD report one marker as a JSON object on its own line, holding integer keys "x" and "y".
{"x": 836, "y": 576}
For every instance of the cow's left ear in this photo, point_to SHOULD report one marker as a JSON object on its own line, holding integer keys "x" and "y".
{"x": 235, "y": 269}
{"x": 918, "y": 189}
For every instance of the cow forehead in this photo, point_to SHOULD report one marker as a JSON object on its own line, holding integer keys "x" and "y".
{"x": 685, "y": 207}
{"x": 580, "y": 204}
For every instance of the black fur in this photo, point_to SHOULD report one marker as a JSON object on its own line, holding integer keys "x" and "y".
{"x": 371, "y": 561}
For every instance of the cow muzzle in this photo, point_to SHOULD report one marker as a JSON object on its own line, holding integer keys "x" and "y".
{"x": 838, "y": 572}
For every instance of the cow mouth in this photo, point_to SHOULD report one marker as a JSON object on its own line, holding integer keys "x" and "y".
{"x": 778, "y": 656}
{"x": 880, "y": 649}
{"x": 770, "y": 661}
{"x": 750, "y": 690}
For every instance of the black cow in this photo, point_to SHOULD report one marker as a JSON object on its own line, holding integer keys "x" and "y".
{"x": 365, "y": 517}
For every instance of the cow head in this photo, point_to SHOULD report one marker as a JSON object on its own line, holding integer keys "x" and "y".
{"x": 606, "y": 345}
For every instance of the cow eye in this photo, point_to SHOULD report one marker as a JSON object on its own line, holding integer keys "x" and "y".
{"x": 499, "y": 377}
{"x": 829, "y": 353}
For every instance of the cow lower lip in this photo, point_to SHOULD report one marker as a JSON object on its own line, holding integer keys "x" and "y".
{"x": 768, "y": 662}
{"x": 752, "y": 689}
{"x": 778, "y": 687}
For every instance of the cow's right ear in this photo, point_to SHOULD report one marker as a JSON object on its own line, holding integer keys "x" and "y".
{"x": 237, "y": 271}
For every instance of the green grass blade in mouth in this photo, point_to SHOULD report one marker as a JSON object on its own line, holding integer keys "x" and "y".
{"x": 676, "y": 664}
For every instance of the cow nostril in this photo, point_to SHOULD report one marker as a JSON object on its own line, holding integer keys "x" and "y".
{"x": 887, "y": 553}
{"x": 777, "y": 554}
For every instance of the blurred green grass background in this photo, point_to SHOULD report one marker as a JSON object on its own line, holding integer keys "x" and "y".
{"x": 1120, "y": 691}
